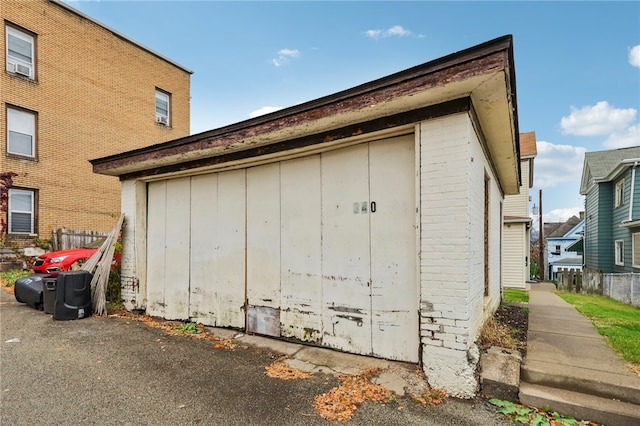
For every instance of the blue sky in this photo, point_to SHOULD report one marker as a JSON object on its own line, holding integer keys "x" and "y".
{"x": 577, "y": 63}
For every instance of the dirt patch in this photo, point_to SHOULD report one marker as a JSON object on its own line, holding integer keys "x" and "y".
{"x": 508, "y": 328}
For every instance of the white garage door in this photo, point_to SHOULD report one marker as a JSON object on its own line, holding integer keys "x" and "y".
{"x": 369, "y": 250}
{"x": 322, "y": 248}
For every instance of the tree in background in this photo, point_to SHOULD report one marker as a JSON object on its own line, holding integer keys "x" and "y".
{"x": 6, "y": 182}
{"x": 534, "y": 267}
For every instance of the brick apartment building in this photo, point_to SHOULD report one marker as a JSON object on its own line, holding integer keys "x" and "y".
{"x": 73, "y": 90}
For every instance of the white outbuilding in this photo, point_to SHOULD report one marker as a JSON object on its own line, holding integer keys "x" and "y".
{"x": 368, "y": 221}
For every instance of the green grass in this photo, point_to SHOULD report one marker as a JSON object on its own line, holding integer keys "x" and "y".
{"x": 8, "y": 278}
{"x": 619, "y": 322}
{"x": 513, "y": 295}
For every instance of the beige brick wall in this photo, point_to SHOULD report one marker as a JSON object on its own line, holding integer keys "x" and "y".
{"x": 94, "y": 95}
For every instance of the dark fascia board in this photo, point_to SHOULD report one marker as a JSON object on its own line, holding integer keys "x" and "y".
{"x": 516, "y": 219}
{"x": 398, "y": 120}
{"x": 451, "y": 66}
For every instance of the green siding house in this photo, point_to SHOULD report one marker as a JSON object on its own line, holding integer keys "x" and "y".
{"x": 611, "y": 186}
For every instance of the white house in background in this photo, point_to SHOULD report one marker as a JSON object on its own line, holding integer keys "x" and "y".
{"x": 517, "y": 223}
{"x": 368, "y": 221}
{"x": 559, "y": 240}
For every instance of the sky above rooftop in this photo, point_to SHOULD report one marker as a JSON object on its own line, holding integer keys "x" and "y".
{"x": 577, "y": 63}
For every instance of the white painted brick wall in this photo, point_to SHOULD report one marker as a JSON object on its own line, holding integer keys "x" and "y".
{"x": 129, "y": 275}
{"x": 477, "y": 170}
{"x": 481, "y": 307}
{"x": 452, "y": 172}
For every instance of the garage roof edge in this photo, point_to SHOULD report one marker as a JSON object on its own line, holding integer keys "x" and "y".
{"x": 296, "y": 114}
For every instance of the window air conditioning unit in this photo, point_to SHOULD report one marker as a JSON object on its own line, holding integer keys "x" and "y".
{"x": 23, "y": 69}
{"x": 161, "y": 119}
{"x": 20, "y": 69}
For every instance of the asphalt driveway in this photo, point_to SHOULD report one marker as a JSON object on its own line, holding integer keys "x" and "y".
{"x": 111, "y": 371}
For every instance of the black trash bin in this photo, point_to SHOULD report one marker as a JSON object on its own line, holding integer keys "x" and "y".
{"x": 49, "y": 294}
{"x": 73, "y": 295}
{"x": 29, "y": 290}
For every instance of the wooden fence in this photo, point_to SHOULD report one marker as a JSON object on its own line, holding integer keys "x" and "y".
{"x": 623, "y": 287}
{"x": 569, "y": 279}
{"x": 63, "y": 239}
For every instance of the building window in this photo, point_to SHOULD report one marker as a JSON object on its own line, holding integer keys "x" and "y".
{"x": 635, "y": 246}
{"x": 20, "y": 52}
{"x": 21, "y": 132}
{"x": 619, "y": 253}
{"x": 162, "y": 107}
{"x": 21, "y": 211}
{"x": 619, "y": 195}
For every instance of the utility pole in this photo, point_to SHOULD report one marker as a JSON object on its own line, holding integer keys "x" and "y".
{"x": 540, "y": 238}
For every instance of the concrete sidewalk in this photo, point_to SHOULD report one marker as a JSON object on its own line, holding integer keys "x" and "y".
{"x": 570, "y": 367}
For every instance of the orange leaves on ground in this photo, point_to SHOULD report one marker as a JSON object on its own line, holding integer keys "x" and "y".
{"x": 280, "y": 370}
{"x": 341, "y": 402}
{"x": 222, "y": 343}
{"x": 431, "y": 397}
{"x": 195, "y": 331}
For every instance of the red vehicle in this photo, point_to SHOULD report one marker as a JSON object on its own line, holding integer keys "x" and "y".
{"x": 64, "y": 260}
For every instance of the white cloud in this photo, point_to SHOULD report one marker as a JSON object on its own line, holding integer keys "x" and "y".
{"x": 292, "y": 53}
{"x": 556, "y": 164}
{"x": 629, "y": 137}
{"x": 634, "y": 56}
{"x": 599, "y": 119}
{"x": 264, "y": 110}
{"x": 284, "y": 56}
{"x": 561, "y": 215}
{"x": 395, "y": 31}
{"x": 373, "y": 33}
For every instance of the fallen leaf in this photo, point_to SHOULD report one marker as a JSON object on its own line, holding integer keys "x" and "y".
{"x": 280, "y": 370}
{"x": 341, "y": 402}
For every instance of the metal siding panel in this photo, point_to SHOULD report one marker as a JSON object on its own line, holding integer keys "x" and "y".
{"x": 636, "y": 196}
{"x": 204, "y": 303}
{"x": 178, "y": 232}
{"x": 606, "y": 249}
{"x": 394, "y": 291}
{"x": 514, "y": 252}
{"x": 263, "y": 235}
{"x": 263, "y": 245}
{"x": 229, "y": 254}
{"x": 301, "y": 254}
{"x": 345, "y": 250}
{"x": 156, "y": 222}
{"x": 620, "y": 215}
{"x": 591, "y": 229}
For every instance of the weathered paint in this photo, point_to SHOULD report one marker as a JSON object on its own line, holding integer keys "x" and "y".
{"x": 156, "y": 240}
{"x": 301, "y": 261}
{"x": 394, "y": 291}
{"x": 203, "y": 306}
{"x": 346, "y": 290}
{"x": 168, "y": 249}
{"x": 453, "y": 169}
{"x": 263, "y": 249}
{"x": 458, "y": 152}
{"x": 325, "y": 262}
{"x": 228, "y": 251}
{"x": 177, "y": 248}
